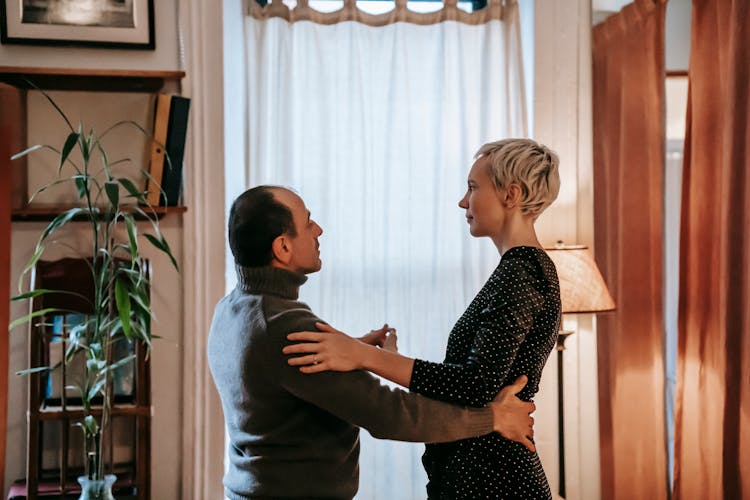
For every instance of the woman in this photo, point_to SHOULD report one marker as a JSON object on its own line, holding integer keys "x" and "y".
{"x": 508, "y": 330}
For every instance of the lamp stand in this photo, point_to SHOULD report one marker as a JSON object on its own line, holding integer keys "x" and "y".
{"x": 561, "y": 336}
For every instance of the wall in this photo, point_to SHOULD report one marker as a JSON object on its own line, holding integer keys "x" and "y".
{"x": 167, "y": 289}
{"x": 562, "y": 120}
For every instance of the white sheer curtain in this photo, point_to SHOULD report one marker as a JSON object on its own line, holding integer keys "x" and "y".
{"x": 376, "y": 127}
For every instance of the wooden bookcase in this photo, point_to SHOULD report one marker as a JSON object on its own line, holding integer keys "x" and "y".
{"x": 15, "y": 82}
{"x": 52, "y": 409}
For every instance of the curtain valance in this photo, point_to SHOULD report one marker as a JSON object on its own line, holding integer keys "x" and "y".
{"x": 494, "y": 10}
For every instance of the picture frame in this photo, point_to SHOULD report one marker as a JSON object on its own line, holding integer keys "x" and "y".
{"x": 123, "y": 24}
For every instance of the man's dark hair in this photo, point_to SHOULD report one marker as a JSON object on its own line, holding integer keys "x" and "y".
{"x": 255, "y": 220}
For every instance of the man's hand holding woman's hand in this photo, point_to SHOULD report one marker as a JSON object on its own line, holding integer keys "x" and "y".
{"x": 384, "y": 337}
{"x": 513, "y": 418}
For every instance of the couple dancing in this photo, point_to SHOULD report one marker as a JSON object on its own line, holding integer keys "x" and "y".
{"x": 295, "y": 391}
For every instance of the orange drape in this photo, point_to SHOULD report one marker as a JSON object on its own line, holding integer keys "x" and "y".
{"x": 628, "y": 109}
{"x": 712, "y": 430}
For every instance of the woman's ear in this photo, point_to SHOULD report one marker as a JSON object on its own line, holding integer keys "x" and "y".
{"x": 512, "y": 196}
{"x": 282, "y": 249}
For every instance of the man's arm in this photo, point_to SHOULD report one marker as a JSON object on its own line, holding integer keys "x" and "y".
{"x": 389, "y": 413}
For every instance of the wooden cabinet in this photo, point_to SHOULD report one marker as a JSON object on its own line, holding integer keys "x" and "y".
{"x": 53, "y": 409}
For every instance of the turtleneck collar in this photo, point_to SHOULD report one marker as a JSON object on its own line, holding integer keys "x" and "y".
{"x": 269, "y": 280}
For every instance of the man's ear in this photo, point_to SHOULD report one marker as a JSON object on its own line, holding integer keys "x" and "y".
{"x": 512, "y": 196}
{"x": 282, "y": 249}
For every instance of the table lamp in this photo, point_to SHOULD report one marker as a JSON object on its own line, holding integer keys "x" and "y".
{"x": 582, "y": 290}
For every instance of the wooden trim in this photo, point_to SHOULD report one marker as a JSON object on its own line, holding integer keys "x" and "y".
{"x": 71, "y": 412}
{"x": 10, "y": 135}
{"x": 203, "y": 445}
{"x": 47, "y": 213}
{"x": 104, "y": 80}
{"x": 677, "y": 73}
{"x": 5, "y": 234}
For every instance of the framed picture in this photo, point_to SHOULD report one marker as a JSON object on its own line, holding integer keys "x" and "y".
{"x": 126, "y": 24}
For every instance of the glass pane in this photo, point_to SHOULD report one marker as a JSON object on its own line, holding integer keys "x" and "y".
{"x": 466, "y": 6}
{"x": 327, "y": 5}
{"x": 376, "y": 6}
{"x": 421, "y": 6}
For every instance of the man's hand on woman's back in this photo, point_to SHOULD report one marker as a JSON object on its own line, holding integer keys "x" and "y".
{"x": 512, "y": 416}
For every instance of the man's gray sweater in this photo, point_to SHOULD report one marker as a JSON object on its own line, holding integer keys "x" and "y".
{"x": 294, "y": 435}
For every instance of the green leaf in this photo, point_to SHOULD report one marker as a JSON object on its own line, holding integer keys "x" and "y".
{"x": 47, "y": 186}
{"x": 131, "y": 189}
{"x": 81, "y": 185}
{"x": 32, "y": 294}
{"x": 120, "y": 124}
{"x": 35, "y": 314}
{"x": 95, "y": 350}
{"x": 53, "y": 226}
{"x": 113, "y": 193}
{"x": 91, "y": 365}
{"x": 105, "y": 160}
{"x": 54, "y": 104}
{"x": 30, "y": 264}
{"x": 132, "y": 234}
{"x": 29, "y": 371}
{"x": 56, "y": 224}
{"x": 85, "y": 143}
{"x": 42, "y": 291}
{"x": 26, "y": 151}
{"x": 75, "y": 387}
{"x": 96, "y": 388}
{"x": 123, "y": 305}
{"x": 162, "y": 245}
{"x": 70, "y": 142}
{"x": 89, "y": 423}
{"x": 141, "y": 304}
{"x": 120, "y": 363}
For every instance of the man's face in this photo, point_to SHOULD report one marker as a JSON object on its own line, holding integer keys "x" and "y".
{"x": 485, "y": 212}
{"x": 304, "y": 247}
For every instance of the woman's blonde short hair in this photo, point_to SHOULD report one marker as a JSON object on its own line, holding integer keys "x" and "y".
{"x": 530, "y": 165}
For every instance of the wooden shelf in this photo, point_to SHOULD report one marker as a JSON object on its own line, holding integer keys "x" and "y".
{"x": 76, "y": 412}
{"x": 48, "y": 213}
{"x": 95, "y": 80}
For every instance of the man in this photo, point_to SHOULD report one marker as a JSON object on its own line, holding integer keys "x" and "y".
{"x": 294, "y": 435}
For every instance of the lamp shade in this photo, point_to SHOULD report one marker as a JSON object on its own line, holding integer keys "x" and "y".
{"x": 582, "y": 288}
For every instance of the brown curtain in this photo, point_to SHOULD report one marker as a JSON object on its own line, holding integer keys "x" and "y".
{"x": 712, "y": 429}
{"x": 629, "y": 156}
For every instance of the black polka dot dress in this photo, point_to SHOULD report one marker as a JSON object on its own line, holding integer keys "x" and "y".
{"x": 508, "y": 330}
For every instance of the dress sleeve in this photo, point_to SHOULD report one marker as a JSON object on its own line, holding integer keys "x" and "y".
{"x": 361, "y": 399}
{"x": 502, "y": 327}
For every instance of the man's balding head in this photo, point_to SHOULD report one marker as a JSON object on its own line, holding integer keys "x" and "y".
{"x": 257, "y": 217}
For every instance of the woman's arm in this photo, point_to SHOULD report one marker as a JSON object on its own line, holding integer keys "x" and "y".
{"x": 503, "y": 328}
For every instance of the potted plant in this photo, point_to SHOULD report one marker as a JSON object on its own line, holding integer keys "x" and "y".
{"x": 121, "y": 312}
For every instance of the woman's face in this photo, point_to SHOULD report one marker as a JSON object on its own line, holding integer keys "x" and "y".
{"x": 483, "y": 203}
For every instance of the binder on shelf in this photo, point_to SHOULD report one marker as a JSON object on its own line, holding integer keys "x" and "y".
{"x": 175, "y": 149}
{"x": 168, "y": 150}
{"x": 156, "y": 163}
